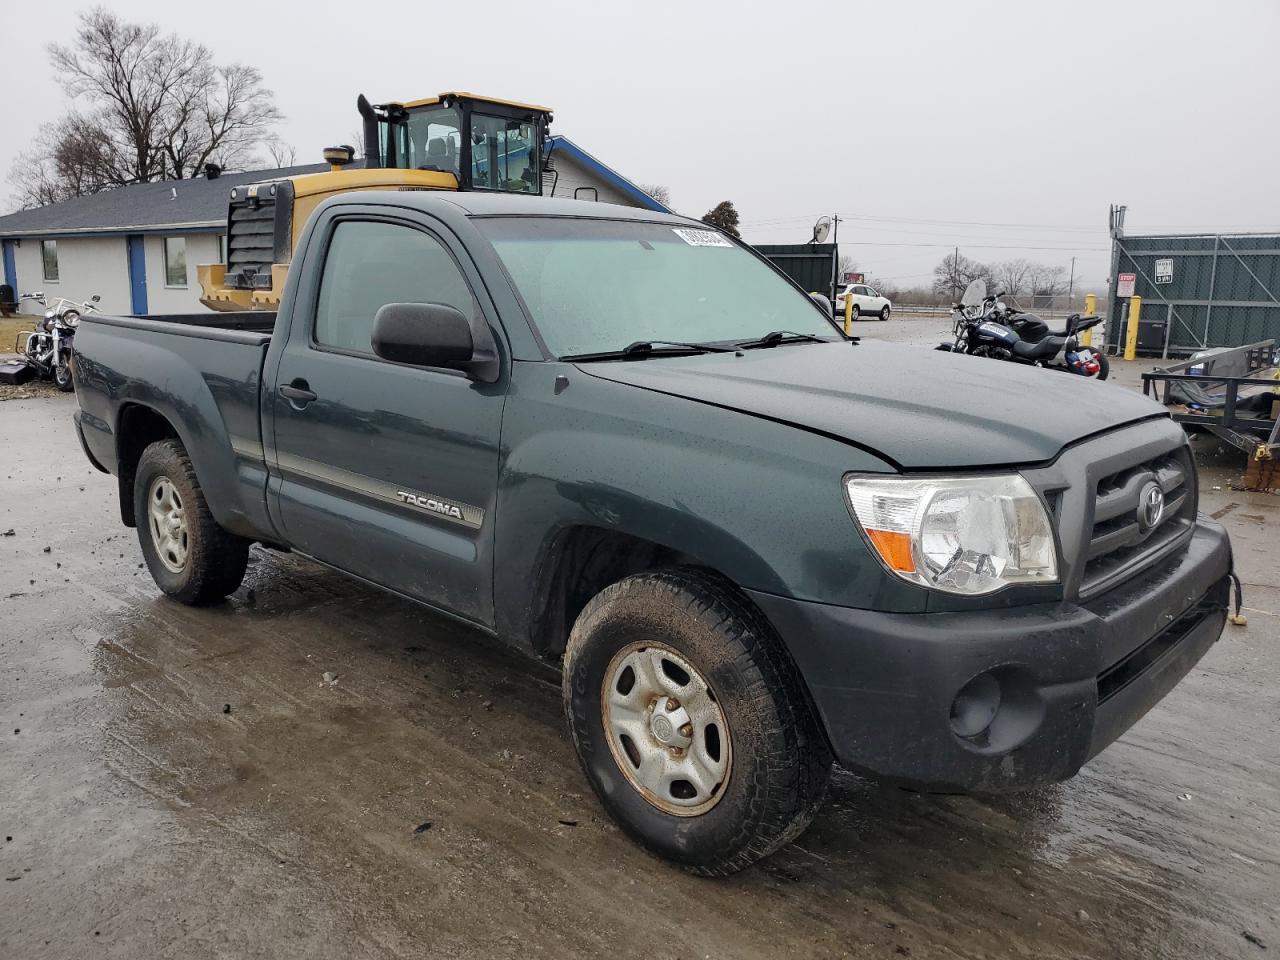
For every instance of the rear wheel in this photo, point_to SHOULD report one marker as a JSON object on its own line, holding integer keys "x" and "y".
{"x": 691, "y": 722}
{"x": 1104, "y": 366}
{"x": 190, "y": 557}
{"x": 856, "y": 312}
{"x": 884, "y": 313}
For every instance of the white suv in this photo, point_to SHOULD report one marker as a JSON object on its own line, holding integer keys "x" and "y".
{"x": 866, "y": 301}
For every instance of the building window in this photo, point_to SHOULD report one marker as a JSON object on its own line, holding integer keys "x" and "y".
{"x": 49, "y": 258}
{"x": 175, "y": 261}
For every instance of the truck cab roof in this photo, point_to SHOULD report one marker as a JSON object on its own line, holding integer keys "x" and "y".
{"x": 505, "y": 204}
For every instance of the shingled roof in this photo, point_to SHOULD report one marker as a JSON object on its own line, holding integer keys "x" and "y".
{"x": 168, "y": 205}
{"x": 200, "y": 205}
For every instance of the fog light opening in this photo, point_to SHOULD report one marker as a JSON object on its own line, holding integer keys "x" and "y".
{"x": 975, "y": 706}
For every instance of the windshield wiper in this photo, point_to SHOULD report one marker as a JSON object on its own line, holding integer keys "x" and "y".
{"x": 781, "y": 336}
{"x": 652, "y": 348}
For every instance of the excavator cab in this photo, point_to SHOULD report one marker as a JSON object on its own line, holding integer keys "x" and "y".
{"x": 485, "y": 144}
{"x": 455, "y": 141}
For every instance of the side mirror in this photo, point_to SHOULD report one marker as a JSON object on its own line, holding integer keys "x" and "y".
{"x": 821, "y": 300}
{"x": 423, "y": 334}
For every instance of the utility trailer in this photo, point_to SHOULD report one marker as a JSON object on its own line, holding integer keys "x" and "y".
{"x": 1235, "y": 395}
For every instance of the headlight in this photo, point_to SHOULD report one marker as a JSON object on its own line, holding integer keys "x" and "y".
{"x": 966, "y": 535}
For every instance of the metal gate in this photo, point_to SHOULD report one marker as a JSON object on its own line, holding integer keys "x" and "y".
{"x": 1197, "y": 290}
{"x": 812, "y": 265}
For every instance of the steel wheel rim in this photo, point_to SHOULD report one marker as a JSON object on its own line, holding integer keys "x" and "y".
{"x": 666, "y": 729}
{"x": 168, "y": 518}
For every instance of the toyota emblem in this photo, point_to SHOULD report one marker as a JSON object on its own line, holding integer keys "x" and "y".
{"x": 1150, "y": 506}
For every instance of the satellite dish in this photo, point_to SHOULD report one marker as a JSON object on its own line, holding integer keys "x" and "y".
{"x": 821, "y": 229}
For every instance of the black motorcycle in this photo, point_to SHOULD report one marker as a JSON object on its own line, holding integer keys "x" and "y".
{"x": 49, "y": 349}
{"x": 986, "y": 326}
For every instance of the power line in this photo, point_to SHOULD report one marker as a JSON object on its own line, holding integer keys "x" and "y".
{"x": 978, "y": 246}
{"x": 932, "y": 221}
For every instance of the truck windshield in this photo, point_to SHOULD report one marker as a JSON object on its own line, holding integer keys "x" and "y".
{"x": 599, "y": 285}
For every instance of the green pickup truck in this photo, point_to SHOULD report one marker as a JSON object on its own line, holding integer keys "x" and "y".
{"x": 623, "y": 442}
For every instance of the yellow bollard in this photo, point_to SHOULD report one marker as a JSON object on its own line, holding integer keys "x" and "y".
{"x": 1090, "y": 310}
{"x": 848, "y": 314}
{"x": 1131, "y": 329}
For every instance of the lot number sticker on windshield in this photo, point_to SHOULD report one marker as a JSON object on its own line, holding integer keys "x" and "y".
{"x": 702, "y": 238}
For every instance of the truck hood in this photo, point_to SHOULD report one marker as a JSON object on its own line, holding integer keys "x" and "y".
{"x": 917, "y": 408}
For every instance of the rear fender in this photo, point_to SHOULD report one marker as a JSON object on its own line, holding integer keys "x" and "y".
{"x": 212, "y": 409}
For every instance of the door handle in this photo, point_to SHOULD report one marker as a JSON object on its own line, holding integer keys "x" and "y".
{"x": 298, "y": 392}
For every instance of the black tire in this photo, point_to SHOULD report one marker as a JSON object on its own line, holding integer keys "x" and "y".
{"x": 856, "y": 312}
{"x": 215, "y": 560}
{"x": 1104, "y": 366}
{"x": 884, "y": 313}
{"x": 62, "y": 376}
{"x": 780, "y": 760}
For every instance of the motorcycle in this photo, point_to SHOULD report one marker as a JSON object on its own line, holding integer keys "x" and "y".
{"x": 986, "y": 326}
{"x": 49, "y": 348}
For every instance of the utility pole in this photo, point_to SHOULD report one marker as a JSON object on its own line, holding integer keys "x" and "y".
{"x": 1071, "y": 285}
{"x": 835, "y": 260}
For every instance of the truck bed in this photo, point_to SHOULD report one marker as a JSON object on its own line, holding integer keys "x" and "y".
{"x": 244, "y": 321}
{"x": 202, "y": 373}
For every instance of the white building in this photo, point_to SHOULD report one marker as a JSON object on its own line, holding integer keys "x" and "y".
{"x": 138, "y": 246}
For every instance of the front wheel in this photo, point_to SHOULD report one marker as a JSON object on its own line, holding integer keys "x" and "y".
{"x": 62, "y": 374}
{"x": 691, "y": 722}
{"x": 884, "y": 313}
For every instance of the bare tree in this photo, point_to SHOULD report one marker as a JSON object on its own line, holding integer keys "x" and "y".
{"x": 356, "y": 142}
{"x": 1011, "y": 276}
{"x": 724, "y": 216}
{"x": 220, "y": 114}
{"x": 1046, "y": 280}
{"x": 68, "y": 158}
{"x": 659, "y": 192}
{"x": 955, "y": 272}
{"x": 282, "y": 154}
{"x": 151, "y": 106}
{"x": 846, "y": 265}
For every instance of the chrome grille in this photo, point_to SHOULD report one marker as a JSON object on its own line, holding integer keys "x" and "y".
{"x": 1119, "y": 542}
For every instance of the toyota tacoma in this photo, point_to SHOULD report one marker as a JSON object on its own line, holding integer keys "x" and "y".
{"x": 622, "y": 442}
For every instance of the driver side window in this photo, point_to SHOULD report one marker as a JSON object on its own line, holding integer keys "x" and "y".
{"x": 372, "y": 263}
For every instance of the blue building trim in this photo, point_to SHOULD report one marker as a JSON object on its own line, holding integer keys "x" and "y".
{"x": 220, "y": 227}
{"x": 135, "y": 250}
{"x": 10, "y": 268}
{"x": 620, "y": 183}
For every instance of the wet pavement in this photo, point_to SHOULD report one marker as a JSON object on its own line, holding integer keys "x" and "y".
{"x": 185, "y": 783}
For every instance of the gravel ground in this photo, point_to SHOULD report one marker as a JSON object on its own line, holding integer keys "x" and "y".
{"x": 185, "y": 783}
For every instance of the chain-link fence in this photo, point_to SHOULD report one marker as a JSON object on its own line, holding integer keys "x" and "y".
{"x": 1198, "y": 291}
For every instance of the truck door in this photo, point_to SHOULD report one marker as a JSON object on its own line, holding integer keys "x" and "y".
{"x": 386, "y": 470}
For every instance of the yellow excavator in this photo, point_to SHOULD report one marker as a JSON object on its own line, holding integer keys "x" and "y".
{"x": 454, "y": 141}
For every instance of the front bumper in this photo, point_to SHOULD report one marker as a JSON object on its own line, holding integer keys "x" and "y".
{"x": 1071, "y": 676}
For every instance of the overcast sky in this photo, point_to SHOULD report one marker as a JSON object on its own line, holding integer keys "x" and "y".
{"x": 1001, "y": 126}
